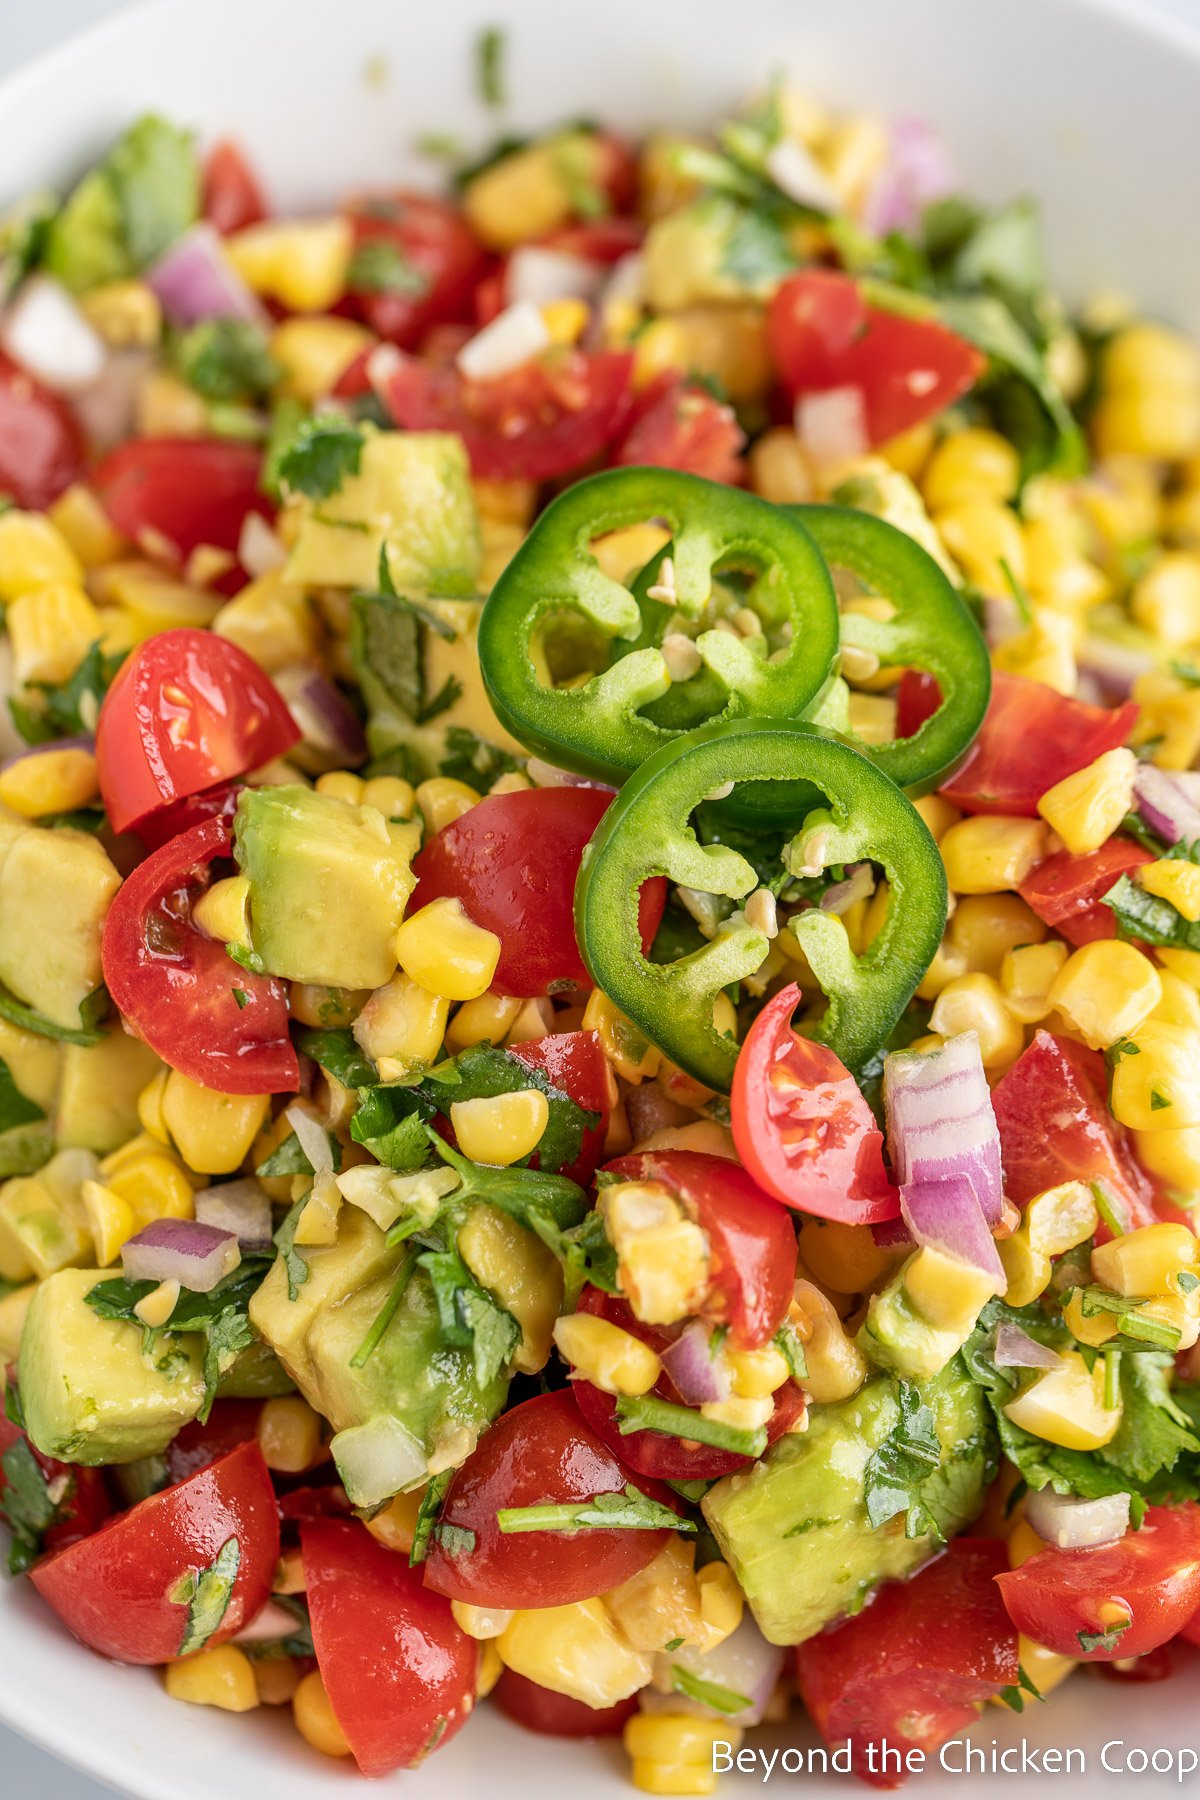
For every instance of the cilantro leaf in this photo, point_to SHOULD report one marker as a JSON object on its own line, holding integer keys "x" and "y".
{"x": 427, "y": 1516}
{"x": 379, "y": 266}
{"x": 295, "y": 1265}
{"x": 15, "y": 1109}
{"x": 27, "y": 1506}
{"x": 68, "y": 708}
{"x": 206, "y": 1593}
{"x": 471, "y": 759}
{"x": 290, "y": 1158}
{"x": 455, "y": 1540}
{"x": 489, "y": 65}
{"x": 787, "y": 1342}
{"x": 226, "y": 359}
{"x": 220, "y": 1317}
{"x": 708, "y": 1693}
{"x": 387, "y": 650}
{"x": 337, "y": 1053}
{"x": 469, "y": 1318}
{"x": 1145, "y": 916}
{"x": 323, "y": 452}
{"x": 1102, "y": 1640}
{"x": 629, "y": 1510}
{"x": 896, "y": 1471}
{"x": 155, "y": 177}
{"x": 27, "y": 1019}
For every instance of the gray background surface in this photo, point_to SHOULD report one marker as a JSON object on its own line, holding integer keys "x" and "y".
{"x": 27, "y": 28}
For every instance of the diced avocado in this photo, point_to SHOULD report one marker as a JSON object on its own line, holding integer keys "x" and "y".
{"x": 33, "y": 1064}
{"x": 413, "y": 493}
{"x": 84, "y": 244}
{"x": 411, "y": 1375}
{"x": 329, "y": 882}
{"x": 97, "y": 1101}
{"x": 42, "y": 1215}
{"x": 794, "y": 1527}
{"x": 55, "y": 891}
{"x": 257, "y": 1374}
{"x": 91, "y": 1392}
{"x": 125, "y": 213}
{"x": 714, "y": 249}
{"x": 925, "y": 1313}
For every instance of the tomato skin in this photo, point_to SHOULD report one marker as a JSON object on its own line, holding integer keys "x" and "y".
{"x": 189, "y": 491}
{"x": 153, "y": 749}
{"x": 542, "y": 1452}
{"x": 435, "y": 240}
{"x": 911, "y": 1668}
{"x": 111, "y": 1590}
{"x": 550, "y": 416}
{"x": 233, "y": 198}
{"x": 174, "y": 986}
{"x": 1065, "y": 890}
{"x": 677, "y": 425}
{"x": 167, "y": 822}
{"x": 41, "y": 446}
{"x": 1154, "y": 1572}
{"x": 823, "y": 335}
{"x": 1031, "y": 738}
{"x": 1055, "y": 1126}
{"x": 557, "y": 1715}
{"x": 513, "y": 860}
{"x": 751, "y": 1237}
{"x": 917, "y": 699}
{"x": 836, "y": 1171}
{"x": 599, "y": 240}
{"x": 1190, "y": 1632}
{"x": 88, "y": 1504}
{"x": 575, "y": 1063}
{"x": 229, "y": 1424}
{"x": 651, "y": 1454}
{"x": 399, "y": 1673}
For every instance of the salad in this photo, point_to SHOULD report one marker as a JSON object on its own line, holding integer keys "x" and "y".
{"x": 599, "y": 944}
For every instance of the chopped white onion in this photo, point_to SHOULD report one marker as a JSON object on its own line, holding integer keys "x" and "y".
{"x": 377, "y": 1459}
{"x": 797, "y": 173}
{"x": 314, "y": 1139}
{"x": 47, "y": 334}
{"x": 832, "y": 426}
{"x": 195, "y": 1255}
{"x": 1071, "y": 1524}
{"x": 744, "y": 1663}
{"x": 259, "y": 550}
{"x": 240, "y": 1207}
{"x": 538, "y": 275}
{"x": 513, "y": 336}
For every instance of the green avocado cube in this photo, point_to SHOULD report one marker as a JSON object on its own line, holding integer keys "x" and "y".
{"x": 42, "y": 1218}
{"x": 98, "y": 1093}
{"x": 55, "y": 891}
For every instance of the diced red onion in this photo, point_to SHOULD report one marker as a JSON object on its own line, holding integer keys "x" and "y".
{"x": 240, "y": 1207}
{"x": 744, "y": 1663}
{"x": 940, "y": 1120}
{"x": 649, "y": 1109}
{"x": 1166, "y": 805}
{"x": 698, "y": 1376}
{"x": 917, "y": 172}
{"x": 1071, "y": 1524}
{"x": 892, "y": 1234}
{"x": 377, "y": 1459}
{"x": 270, "y": 1623}
{"x": 544, "y": 774}
{"x": 79, "y": 742}
{"x": 832, "y": 425}
{"x": 858, "y": 885}
{"x": 46, "y": 333}
{"x": 314, "y": 1139}
{"x": 540, "y": 274}
{"x": 331, "y": 729}
{"x": 1112, "y": 666}
{"x": 1015, "y": 1349}
{"x": 946, "y": 1216}
{"x": 195, "y": 280}
{"x": 196, "y": 1255}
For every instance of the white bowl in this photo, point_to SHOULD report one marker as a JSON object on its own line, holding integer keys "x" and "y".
{"x": 1088, "y": 106}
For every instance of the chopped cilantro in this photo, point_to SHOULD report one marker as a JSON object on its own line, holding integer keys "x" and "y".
{"x": 707, "y": 1693}
{"x": 489, "y": 65}
{"x": 380, "y": 266}
{"x": 206, "y": 1593}
{"x": 626, "y": 1511}
{"x": 226, "y": 359}
{"x": 1103, "y": 1640}
{"x": 896, "y": 1471}
{"x": 427, "y": 1516}
{"x": 323, "y": 452}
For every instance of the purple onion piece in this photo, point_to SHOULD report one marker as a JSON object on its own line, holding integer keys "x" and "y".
{"x": 892, "y": 1234}
{"x": 81, "y": 742}
{"x": 1015, "y": 1349}
{"x": 324, "y": 717}
{"x": 240, "y": 1207}
{"x": 946, "y": 1216}
{"x": 858, "y": 885}
{"x": 916, "y": 172}
{"x": 196, "y": 1255}
{"x": 689, "y": 1361}
{"x": 1166, "y": 805}
{"x": 940, "y": 1122}
{"x": 195, "y": 280}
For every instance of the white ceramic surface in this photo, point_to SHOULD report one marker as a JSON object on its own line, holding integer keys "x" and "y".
{"x": 1088, "y": 105}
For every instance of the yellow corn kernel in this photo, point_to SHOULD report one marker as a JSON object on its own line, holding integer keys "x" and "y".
{"x": 1181, "y": 519}
{"x": 212, "y": 1131}
{"x": 662, "y": 1257}
{"x": 1105, "y": 990}
{"x": 872, "y": 717}
{"x": 395, "y": 1527}
{"x": 301, "y": 262}
{"x": 756, "y": 1373}
{"x": 168, "y": 407}
{"x": 660, "y": 349}
{"x": 722, "y": 1604}
{"x": 1170, "y": 879}
{"x": 442, "y": 800}
{"x": 836, "y": 1367}
{"x": 341, "y": 784}
{"x": 607, "y": 1356}
{"x": 157, "y": 1306}
{"x": 909, "y": 451}
{"x": 276, "y": 1678}
{"x": 843, "y": 1257}
{"x": 222, "y": 1677}
{"x": 313, "y": 353}
{"x": 524, "y": 1275}
{"x": 109, "y": 1219}
{"x": 511, "y": 502}
{"x": 34, "y": 554}
{"x": 441, "y": 946}
{"x": 480, "y": 1622}
{"x": 662, "y": 1600}
{"x": 576, "y": 1650}
{"x": 1045, "y": 1668}
{"x": 1065, "y": 1405}
{"x": 726, "y": 344}
{"x": 331, "y": 1008}
{"x": 272, "y": 621}
{"x": 1094, "y": 1329}
{"x": 535, "y": 1020}
{"x": 13, "y": 1307}
{"x": 565, "y": 320}
{"x": 1023, "y": 1542}
{"x": 982, "y": 536}
{"x": 1060, "y": 577}
{"x": 1169, "y": 720}
{"x": 1172, "y": 1156}
{"x": 1086, "y": 808}
{"x": 50, "y": 782}
{"x": 157, "y": 602}
{"x": 985, "y": 927}
{"x": 1146, "y": 1261}
{"x": 852, "y": 152}
{"x": 970, "y": 465}
{"x": 501, "y": 1128}
{"x": 976, "y": 1003}
{"x": 403, "y": 1024}
{"x": 1183, "y": 963}
{"x": 620, "y": 554}
{"x": 81, "y": 520}
{"x": 51, "y": 630}
{"x": 1027, "y": 975}
{"x": 527, "y": 193}
{"x": 1159, "y": 1088}
{"x": 486, "y": 1019}
{"x": 630, "y": 1052}
{"x": 1159, "y": 422}
{"x": 1179, "y": 1312}
{"x": 315, "y": 1718}
{"x": 988, "y": 853}
{"x": 1143, "y": 354}
{"x": 1166, "y": 601}
{"x": 948, "y": 1293}
{"x": 126, "y": 314}
{"x": 677, "y": 1740}
{"x": 1027, "y": 1271}
{"x": 1061, "y": 1218}
{"x": 938, "y": 814}
{"x": 1044, "y": 652}
{"x": 289, "y": 1434}
{"x": 779, "y": 469}
{"x": 154, "y": 1185}
{"x": 388, "y": 794}
{"x": 223, "y": 911}
{"x": 1180, "y": 1003}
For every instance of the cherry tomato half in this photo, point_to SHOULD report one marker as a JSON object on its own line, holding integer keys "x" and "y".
{"x": 119, "y": 1590}
{"x": 678, "y": 425}
{"x": 229, "y": 1424}
{"x": 578, "y": 1067}
{"x": 187, "y": 710}
{"x": 187, "y": 491}
{"x": 399, "y": 1673}
{"x": 1059, "y": 1597}
{"x": 802, "y": 1126}
{"x": 1031, "y": 738}
{"x": 219, "y": 1024}
{"x": 41, "y": 446}
{"x": 427, "y": 262}
{"x": 1065, "y": 891}
{"x": 541, "y": 1453}
{"x": 232, "y": 196}
{"x": 167, "y": 822}
{"x": 557, "y": 1715}
{"x": 512, "y": 861}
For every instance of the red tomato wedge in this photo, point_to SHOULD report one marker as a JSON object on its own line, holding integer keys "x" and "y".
{"x": 512, "y": 860}
{"x": 543, "y": 1452}
{"x": 911, "y": 1669}
{"x": 1065, "y": 891}
{"x": 1031, "y": 738}
{"x": 187, "y": 710}
{"x": 654, "y": 1454}
{"x": 823, "y": 335}
{"x": 85, "y": 1502}
{"x": 545, "y": 419}
{"x": 166, "y": 822}
{"x": 578, "y": 1067}
{"x": 232, "y": 196}
{"x": 124, "y": 1590}
{"x": 917, "y": 699}
{"x": 419, "y": 262}
{"x": 557, "y": 1715}
{"x": 399, "y": 1673}
{"x": 752, "y": 1240}
{"x": 1055, "y": 1126}
{"x": 177, "y": 989}
{"x": 677, "y": 425}
{"x": 41, "y": 446}
{"x": 1059, "y": 1597}
{"x": 229, "y": 1424}
{"x": 802, "y": 1126}
{"x": 181, "y": 491}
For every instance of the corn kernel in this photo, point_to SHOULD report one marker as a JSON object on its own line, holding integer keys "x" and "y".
{"x": 341, "y": 784}
{"x": 535, "y": 1020}
{"x": 985, "y": 927}
{"x": 843, "y": 1257}
{"x": 610, "y": 1358}
{"x": 1171, "y": 1156}
{"x": 223, "y": 911}
{"x": 1149, "y": 355}
{"x": 34, "y": 554}
{"x": 1149, "y": 421}
{"x": 212, "y": 1131}
{"x": 300, "y": 262}
{"x": 486, "y": 1019}
{"x": 1105, "y": 990}
{"x": 836, "y": 1366}
{"x": 756, "y": 1373}
{"x": 1169, "y": 719}
{"x": 522, "y": 196}
{"x": 522, "y": 1272}
{"x": 273, "y": 622}
{"x": 722, "y": 1604}
{"x": 1086, "y": 808}
{"x": 1044, "y": 652}
{"x": 388, "y": 794}
{"x": 1023, "y": 1542}
{"x": 677, "y": 1738}
{"x": 441, "y": 946}
{"x": 631, "y": 1054}
{"x": 501, "y": 1128}
{"x": 662, "y": 1257}
{"x": 725, "y": 344}
{"x": 442, "y": 800}
{"x": 330, "y": 1008}
{"x": 313, "y": 353}
{"x": 1159, "y": 1088}
{"x": 1026, "y": 1271}
{"x": 156, "y": 1307}
{"x": 396, "y": 1526}
{"x": 576, "y": 1650}
{"x": 51, "y": 630}
{"x": 970, "y": 465}
{"x": 50, "y": 781}
{"x": 109, "y": 1219}
{"x": 1171, "y": 879}
{"x": 511, "y": 502}
{"x": 315, "y": 1718}
{"x": 938, "y": 814}
{"x": 403, "y": 1024}
{"x": 1180, "y": 1003}
{"x": 153, "y": 1183}
{"x": 988, "y": 853}
{"x": 982, "y": 536}
{"x": 127, "y": 314}
{"x": 662, "y": 1600}
{"x": 86, "y": 527}
{"x": 168, "y": 407}
{"x": 1166, "y": 601}
{"x": 222, "y": 1677}
{"x": 1146, "y": 1261}
{"x": 778, "y": 468}
{"x": 909, "y": 450}
{"x": 276, "y": 1679}
{"x": 1027, "y": 975}
{"x": 566, "y": 320}
{"x": 976, "y": 1003}
{"x": 1183, "y": 963}
{"x": 1065, "y": 1405}
{"x": 660, "y": 349}
{"x": 289, "y": 1434}
{"x": 480, "y": 1622}
{"x": 1061, "y": 1218}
